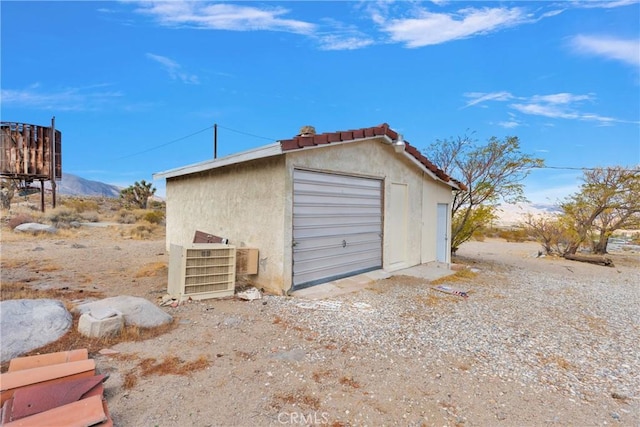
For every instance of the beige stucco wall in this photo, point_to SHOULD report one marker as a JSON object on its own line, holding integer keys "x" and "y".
{"x": 377, "y": 160}
{"x": 251, "y": 204}
{"x": 243, "y": 203}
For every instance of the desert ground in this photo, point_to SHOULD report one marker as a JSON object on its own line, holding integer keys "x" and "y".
{"x": 538, "y": 341}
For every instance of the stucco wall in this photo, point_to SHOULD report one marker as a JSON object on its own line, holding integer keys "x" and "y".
{"x": 378, "y": 160}
{"x": 251, "y": 204}
{"x": 243, "y": 203}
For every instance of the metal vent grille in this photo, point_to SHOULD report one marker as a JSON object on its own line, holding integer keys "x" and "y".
{"x": 202, "y": 271}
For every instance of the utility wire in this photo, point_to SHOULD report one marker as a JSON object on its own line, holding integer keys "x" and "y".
{"x": 246, "y": 133}
{"x": 189, "y": 136}
{"x": 165, "y": 144}
{"x": 582, "y": 168}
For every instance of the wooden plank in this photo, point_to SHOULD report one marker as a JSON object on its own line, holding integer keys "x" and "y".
{"x": 85, "y": 412}
{"x": 28, "y": 362}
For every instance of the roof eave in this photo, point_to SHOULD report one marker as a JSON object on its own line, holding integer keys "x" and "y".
{"x": 255, "y": 154}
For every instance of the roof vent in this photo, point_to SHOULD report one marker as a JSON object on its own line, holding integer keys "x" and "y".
{"x": 307, "y": 131}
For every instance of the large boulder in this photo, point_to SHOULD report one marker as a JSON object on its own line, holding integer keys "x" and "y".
{"x": 26, "y": 324}
{"x": 34, "y": 227}
{"x": 136, "y": 311}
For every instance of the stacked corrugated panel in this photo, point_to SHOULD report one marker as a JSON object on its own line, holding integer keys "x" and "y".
{"x": 60, "y": 389}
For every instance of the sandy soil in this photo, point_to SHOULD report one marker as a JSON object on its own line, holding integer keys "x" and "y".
{"x": 264, "y": 369}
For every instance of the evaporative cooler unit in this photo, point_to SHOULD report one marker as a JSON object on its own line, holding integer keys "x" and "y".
{"x": 202, "y": 271}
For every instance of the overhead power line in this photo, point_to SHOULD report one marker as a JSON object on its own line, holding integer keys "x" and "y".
{"x": 582, "y": 168}
{"x": 173, "y": 141}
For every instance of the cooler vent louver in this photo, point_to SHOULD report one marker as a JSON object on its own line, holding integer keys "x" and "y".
{"x": 202, "y": 271}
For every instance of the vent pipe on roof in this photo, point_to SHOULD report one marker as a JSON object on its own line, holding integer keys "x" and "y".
{"x": 307, "y": 131}
{"x": 398, "y": 144}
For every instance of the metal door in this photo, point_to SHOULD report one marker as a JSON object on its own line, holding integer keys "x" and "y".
{"x": 442, "y": 232}
{"x": 337, "y": 226}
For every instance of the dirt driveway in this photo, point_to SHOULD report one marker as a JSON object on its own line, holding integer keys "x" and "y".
{"x": 537, "y": 342}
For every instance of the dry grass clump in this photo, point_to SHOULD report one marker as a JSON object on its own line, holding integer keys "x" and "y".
{"x": 300, "y": 398}
{"x": 80, "y": 204}
{"x": 464, "y": 275}
{"x": 170, "y": 365}
{"x": 62, "y": 217}
{"x": 22, "y": 290}
{"x": 143, "y": 231}
{"x": 152, "y": 270}
{"x": 349, "y": 381}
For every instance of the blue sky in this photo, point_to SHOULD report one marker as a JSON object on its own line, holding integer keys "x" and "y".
{"x": 137, "y": 86}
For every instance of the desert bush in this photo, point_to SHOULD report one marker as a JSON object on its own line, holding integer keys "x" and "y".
{"x": 80, "y": 205}
{"x": 479, "y": 235}
{"x": 91, "y": 216}
{"x": 126, "y": 216}
{"x": 62, "y": 217}
{"x": 154, "y": 217}
{"x": 514, "y": 235}
{"x": 21, "y": 218}
{"x": 141, "y": 231}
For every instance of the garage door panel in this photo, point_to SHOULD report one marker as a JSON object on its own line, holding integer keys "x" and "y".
{"x": 332, "y": 220}
{"x": 318, "y": 276}
{"x": 337, "y": 226}
{"x": 311, "y": 253}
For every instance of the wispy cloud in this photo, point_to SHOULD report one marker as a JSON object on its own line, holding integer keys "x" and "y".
{"x": 428, "y": 28}
{"x": 174, "y": 69}
{"x": 480, "y": 97}
{"x": 602, "y": 4}
{"x": 625, "y": 50}
{"x": 556, "y": 106}
{"x": 223, "y": 16}
{"x": 89, "y": 98}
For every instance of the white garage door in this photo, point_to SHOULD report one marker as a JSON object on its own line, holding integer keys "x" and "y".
{"x": 337, "y": 226}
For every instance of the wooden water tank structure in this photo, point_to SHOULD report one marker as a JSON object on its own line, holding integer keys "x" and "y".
{"x": 30, "y": 152}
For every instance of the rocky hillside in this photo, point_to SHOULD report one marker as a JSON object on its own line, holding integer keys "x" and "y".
{"x": 73, "y": 185}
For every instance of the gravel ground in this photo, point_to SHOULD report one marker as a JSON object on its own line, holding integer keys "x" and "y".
{"x": 539, "y": 341}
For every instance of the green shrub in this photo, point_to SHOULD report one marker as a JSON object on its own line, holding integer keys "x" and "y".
{"x": 154, "y": 217}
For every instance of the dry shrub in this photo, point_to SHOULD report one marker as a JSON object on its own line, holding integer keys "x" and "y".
{"x": 126, "y": 216}
{"x": 464, "y": 275}
{"x": 130, "y": 380}
{"x": 300, "y": 398}
{"x": 152, "y": 270}
{"x": 349, "y": 381}
{"x": 560, "y": 361}
{"x": 62, "y": 217}
{"x": 172, "y": 365}
{"x": 90, "y": 216}
{"x": 80, "y": 204}
{"x": 21, "y": 218}
{"x": 318, "y": 376}
{"x": 22, "y": 290}
{"x": 514, "y": 235}
{"x": 142, "y": 231}
{"x": 154, "y": 217}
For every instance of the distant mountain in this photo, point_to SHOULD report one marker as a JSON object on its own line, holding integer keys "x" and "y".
{"x": 73, "y": 185}
{"x": 510, "y": 215}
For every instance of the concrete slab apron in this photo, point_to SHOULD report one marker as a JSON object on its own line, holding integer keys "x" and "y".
{"x": 334, "y": 288}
